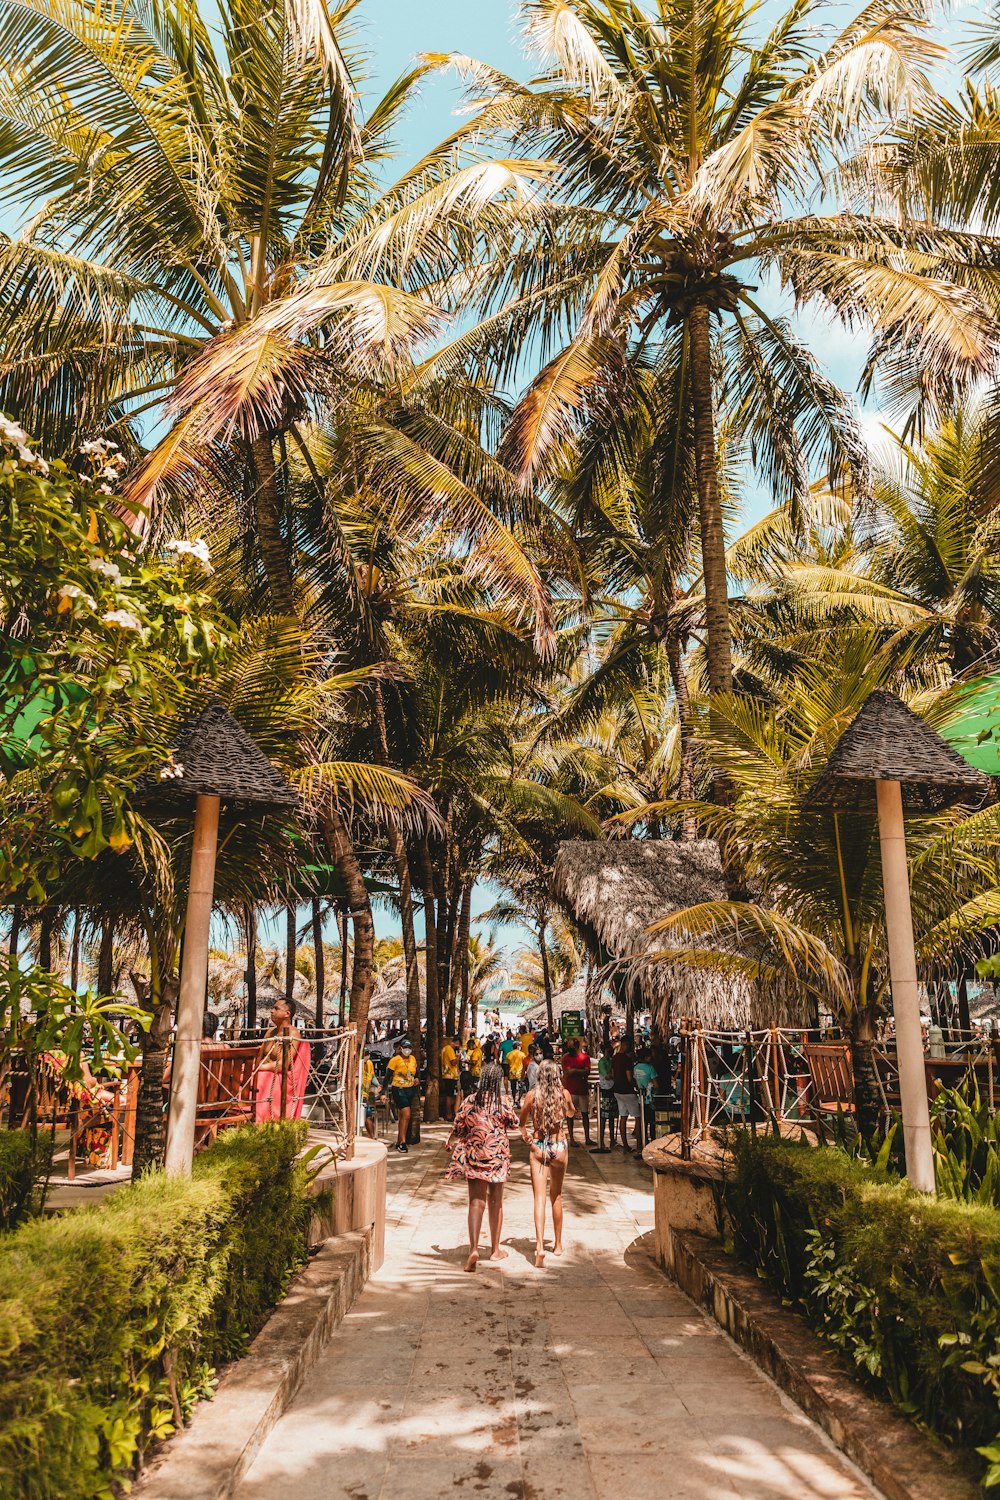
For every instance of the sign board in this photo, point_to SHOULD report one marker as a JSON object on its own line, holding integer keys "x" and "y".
{"x": 570, "y": 1024}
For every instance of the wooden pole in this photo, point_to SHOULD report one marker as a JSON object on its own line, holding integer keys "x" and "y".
{"x": 905, "y": 998}
{"x": 191, "y": 1004}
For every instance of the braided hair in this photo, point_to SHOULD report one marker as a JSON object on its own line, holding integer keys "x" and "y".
{"x": 489, "y": 1093}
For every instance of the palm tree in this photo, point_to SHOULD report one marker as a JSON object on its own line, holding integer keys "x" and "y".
{"x": 918, "y": 562}
{"x": 213, "y": 257}
{"x": 815, "y": 921}
{"x": 691, "y": 149}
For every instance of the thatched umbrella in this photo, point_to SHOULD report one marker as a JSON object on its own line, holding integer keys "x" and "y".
{"x": 889, "y": 748}
{"x": 615, "y": 889}
{"x": 574, "y": 997}
{"x": 389, "y": 1005}
{"x": 214, "y": 760}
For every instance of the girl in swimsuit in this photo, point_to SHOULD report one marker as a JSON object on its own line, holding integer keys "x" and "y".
{"x": 544, "y": 1114}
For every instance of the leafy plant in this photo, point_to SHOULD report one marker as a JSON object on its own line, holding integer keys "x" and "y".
{"x": 115, "y": 1316}
{"x": 94, "y": 634}
{"x": 905, "y": 1284}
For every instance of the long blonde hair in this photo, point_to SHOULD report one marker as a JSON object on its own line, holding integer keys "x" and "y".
{"x": 550, "y": 1106}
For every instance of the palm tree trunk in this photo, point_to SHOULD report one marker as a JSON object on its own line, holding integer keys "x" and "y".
{"x": 251, "y": 970}
{"x": 106, "y": 958}
{"x": 74, "y": 955}
{"x": 46, "y": 924}
{"x": 682, "y": 697}
{"x": 291, "y": 912}
{"x": 713, "y": 537}
{"x": 317, "y": 931}
{"x": 455, "y": 909}
{"x": 267, "y": 515}
{"x": 150, "y": 1119}
{"x": 546, "y": 975}
{"x": 397, "y": 846}
{"x": 15, "y": 931}
{"x": 345, "y": 862}
{"x": 867, "y": 1100}
{"x": 342, "y": 1007}
{"x": 460, "y": 972}
{"x": 431, "y": 1103}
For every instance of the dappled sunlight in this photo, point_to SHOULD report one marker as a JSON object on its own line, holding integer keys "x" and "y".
{"x": 592, "y": 1377}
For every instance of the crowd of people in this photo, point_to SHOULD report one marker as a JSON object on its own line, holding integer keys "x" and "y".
{"x": 623, "y": 1083}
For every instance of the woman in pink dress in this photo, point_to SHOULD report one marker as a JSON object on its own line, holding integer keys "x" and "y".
{"x": 480, "y": 1153}
{"x": 282, "y": 1052}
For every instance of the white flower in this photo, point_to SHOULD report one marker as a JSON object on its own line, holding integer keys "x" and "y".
{"x": 106, "y": 569}
{"x": 104, "y": 489}
{"x": 123, "y": 618}
{"x": 198, "y": 549}
{"x": 73, "y": 591}
{"x": 172, "y": 771}
{"x": 11, "y": 433}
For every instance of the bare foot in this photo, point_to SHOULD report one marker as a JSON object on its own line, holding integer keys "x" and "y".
{"x": 498, "y": 1254}
{"x": 557, "y": 1250}
{"x": 539, "y": 1259}
{"x": 473, "y": 1261}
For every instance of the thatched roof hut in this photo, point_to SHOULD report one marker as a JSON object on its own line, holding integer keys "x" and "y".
{"x": 613, "y": 890}
{"x": 390, "y": 1005}
{"x": 572, "y": 998}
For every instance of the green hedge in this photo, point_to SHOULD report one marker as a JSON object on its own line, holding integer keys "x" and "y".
{"x": 908, "y": 1286}
{"x": 111, "y": 1318}
{"x": 24, "y": 1166}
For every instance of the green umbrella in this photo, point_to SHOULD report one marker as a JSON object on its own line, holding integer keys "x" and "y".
{"x": 20, "y": 744}
{"x": 975, "y": 734}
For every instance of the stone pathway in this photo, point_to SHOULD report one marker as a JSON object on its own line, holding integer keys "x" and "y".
{"x": 593, "y": 1379}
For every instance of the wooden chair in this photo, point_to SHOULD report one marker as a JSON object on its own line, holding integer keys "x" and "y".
{"x": 226, "y": 1088}
{"x": 831, "y": 1077}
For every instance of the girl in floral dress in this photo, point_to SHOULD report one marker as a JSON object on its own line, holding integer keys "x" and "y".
{"x": 480, "y": 1153}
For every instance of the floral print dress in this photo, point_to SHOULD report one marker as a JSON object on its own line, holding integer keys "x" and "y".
{"x": 481, "y": 1146}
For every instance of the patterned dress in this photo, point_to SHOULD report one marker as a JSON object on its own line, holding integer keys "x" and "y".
{"x": 482, "y": 1149}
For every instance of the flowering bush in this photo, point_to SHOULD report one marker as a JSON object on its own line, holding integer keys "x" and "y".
{"x": 97, "y": 635}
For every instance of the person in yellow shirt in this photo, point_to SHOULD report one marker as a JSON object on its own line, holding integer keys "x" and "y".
{"x": 516, "y": 1060}
{"x": 525, "y": 1039}
{"x": 368, "y": 1094}
{"x": 401, "y": 1073}
{"x": 474, "y": 1052}
{"x": 449, "y": 1078}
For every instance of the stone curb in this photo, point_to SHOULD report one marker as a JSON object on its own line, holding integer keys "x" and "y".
{"x": 900, "y": 1460}
{"x": 207, "y": 1460}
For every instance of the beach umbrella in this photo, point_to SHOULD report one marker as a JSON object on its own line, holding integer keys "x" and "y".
{"x": 214, "y": 761}
{"x": 893, "y": 760}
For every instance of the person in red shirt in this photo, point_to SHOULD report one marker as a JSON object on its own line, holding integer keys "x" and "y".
{"x": 576, "y": 1081}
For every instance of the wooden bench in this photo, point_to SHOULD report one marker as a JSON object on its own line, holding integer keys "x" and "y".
{"x": 226, "y": 1088}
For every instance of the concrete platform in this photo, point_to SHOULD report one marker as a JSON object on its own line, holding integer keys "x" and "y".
{"x": 592, "y": 1379}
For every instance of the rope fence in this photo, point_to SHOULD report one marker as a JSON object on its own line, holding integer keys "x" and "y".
{"x": 781, "y": 1077}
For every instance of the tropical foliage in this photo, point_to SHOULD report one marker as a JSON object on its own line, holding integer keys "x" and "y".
{"x": 436, "y": 480}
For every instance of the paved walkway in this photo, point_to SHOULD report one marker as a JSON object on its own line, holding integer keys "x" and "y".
{"x": 593, "y": 1379}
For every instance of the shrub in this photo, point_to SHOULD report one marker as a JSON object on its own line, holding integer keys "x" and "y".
{"x": 907, "y": 1285}
{"x": 111, "y": 1318}
{"x": 24, "y": 1166}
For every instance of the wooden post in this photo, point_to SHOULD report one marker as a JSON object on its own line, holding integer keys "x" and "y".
{"x": 905, "y": 997}
{"x": 191, "y": 1004}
